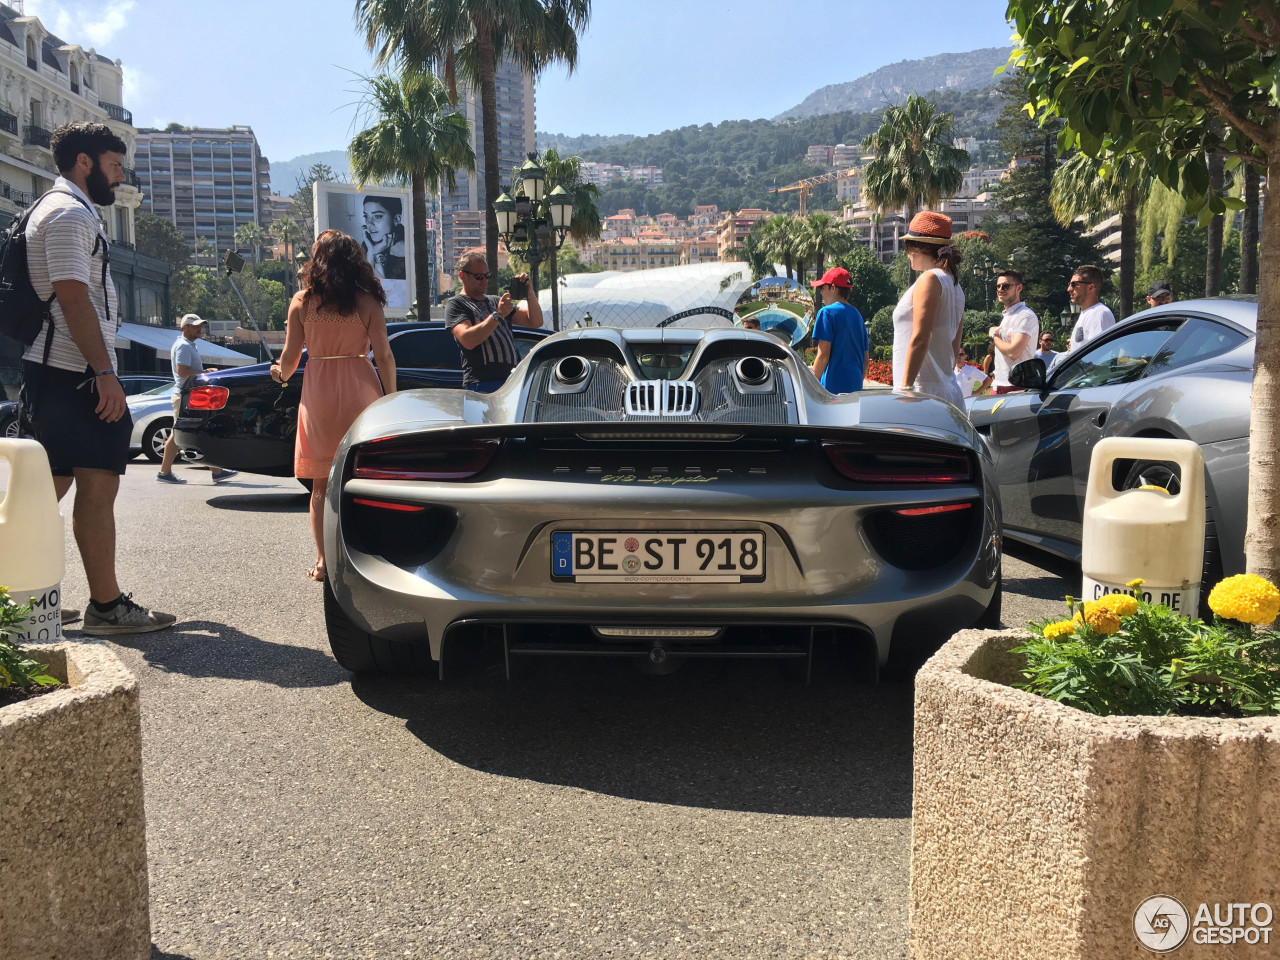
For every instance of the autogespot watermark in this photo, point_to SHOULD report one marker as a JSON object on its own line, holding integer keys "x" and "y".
{"x": 1162, "y": 924}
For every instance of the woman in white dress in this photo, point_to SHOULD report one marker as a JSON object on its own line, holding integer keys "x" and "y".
{"x": 927, "y": 322}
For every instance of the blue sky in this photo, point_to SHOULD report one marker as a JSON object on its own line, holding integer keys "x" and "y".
{"x": 285, "y": 67}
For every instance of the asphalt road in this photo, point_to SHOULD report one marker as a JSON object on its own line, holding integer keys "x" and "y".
{"x": 585, "y": 811}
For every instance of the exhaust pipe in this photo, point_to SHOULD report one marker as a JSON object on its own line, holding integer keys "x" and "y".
{"x": 751, "y": 371}
{"x": 571, "y": 370}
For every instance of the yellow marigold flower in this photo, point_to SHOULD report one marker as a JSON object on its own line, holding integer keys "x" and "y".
{"x": 1121, "y": 604}
{"x": 1135, "y": 584}
{"x": 1245, "y": 597}
{"x": 1100, "y": 619}
{"x": 1053, "y": 631}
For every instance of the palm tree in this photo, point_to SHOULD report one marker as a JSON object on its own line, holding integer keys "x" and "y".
{"x": 287, "y": 231}
{"x": 416, "y": 137}
{"x": 566, "y": 172}
{"x": 205, "y": 248}
{"x": 252, "y": 236}
{"x": 822, "y": 237}
{"x": 470, "y": 37}
{"x": 755, "y": 251}
{"x": 778, "y": 237}
{"x": 916, "y": 163}
{"x": 1087, "y": 186}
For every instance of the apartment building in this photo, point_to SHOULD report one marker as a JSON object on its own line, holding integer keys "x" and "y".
{"x": 704, "y": 248}
{"x": 849, "y": 189}
{"x": 207, "y": 181}
{"x": 602, "y": 174}
{"x": 846, "y": 155}
{"x": 45, "y": 82}
{"x": 515, "y": 102}
{"x": 819, "y": 155}
{"x": 735, "y": 227}
{"x": 628, "y": 253}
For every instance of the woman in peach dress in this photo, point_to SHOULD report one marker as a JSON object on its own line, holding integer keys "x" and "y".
{"x": 337, "y": 316}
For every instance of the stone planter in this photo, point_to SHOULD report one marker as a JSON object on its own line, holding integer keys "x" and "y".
{"x": 73, "y": 851}
{"x": 1038, "y": 829}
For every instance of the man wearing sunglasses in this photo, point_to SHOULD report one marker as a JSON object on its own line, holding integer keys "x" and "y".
{"x": 1015, "y": 337}
{"x": 1085, "y": 290}
{"x": 482, "y": 325}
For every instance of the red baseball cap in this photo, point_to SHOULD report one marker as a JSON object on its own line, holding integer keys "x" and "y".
{"x": 836, "y": 277}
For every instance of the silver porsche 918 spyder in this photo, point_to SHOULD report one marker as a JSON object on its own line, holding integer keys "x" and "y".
{"x": 658, "y": 494}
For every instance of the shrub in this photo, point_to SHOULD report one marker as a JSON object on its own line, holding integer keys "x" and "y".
{"x": 1123, "y": 655}
{"x": 16, "y": 668}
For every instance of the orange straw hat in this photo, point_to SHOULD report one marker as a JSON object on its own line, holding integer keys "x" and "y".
{"x": 929, "y": 227}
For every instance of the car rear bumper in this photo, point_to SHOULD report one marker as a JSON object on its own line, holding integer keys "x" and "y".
{"x": 492, "y": 562}
{"x": 266, "y": 455}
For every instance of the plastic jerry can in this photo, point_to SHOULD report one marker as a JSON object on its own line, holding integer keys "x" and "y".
{"x": 31, "y": 557}
{"x": 1146, "y": 533}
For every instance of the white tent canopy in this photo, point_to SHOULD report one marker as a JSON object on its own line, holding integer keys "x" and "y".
{"x": 161, "y": 339}
{"x": 644, "y": 298}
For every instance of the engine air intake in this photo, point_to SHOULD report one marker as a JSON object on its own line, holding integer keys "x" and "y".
{"x": 661, "y": 398}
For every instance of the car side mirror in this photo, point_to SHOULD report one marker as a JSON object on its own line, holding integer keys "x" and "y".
{"x": 1029, "y": 375}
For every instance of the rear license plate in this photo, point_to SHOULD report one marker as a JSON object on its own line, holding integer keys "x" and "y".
{"x": 683, "y": 556}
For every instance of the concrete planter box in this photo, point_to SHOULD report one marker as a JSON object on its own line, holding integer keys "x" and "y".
{"x": 73, "y": 850}
{"x": 1038, "y": 829}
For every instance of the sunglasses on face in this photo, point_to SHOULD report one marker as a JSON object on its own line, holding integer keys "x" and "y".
{"x": 478, "y": 276}
{"x": 1005, "y": 286}
{"x": 1080, "y": 283}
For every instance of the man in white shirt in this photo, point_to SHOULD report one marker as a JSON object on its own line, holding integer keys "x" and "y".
{"x": 1046, "y": 351}
{"x": 1015, "y": 337}
{"x": 185, "y": 360}
{"x": 1084, "y": 290}
{"x": 69, "y": 378}
{"x": 970, "y": 378}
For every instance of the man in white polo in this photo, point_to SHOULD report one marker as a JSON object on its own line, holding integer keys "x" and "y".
{"x": 1015, "y": 337}
{"x": 186, "y": 362}
{"x": 1085, "y": 290}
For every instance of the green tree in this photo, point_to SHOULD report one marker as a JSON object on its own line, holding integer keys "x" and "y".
{"x": 584, "y": 223}
{"x": 302, "y": 205}
{"x": 159, "y": 238}
{"x": 1176, "y": 82}
{"x": 415, "y": 136}
{"x": 915, "y": 163}
{"x": 469, "y": 37}
{"x": 186, "y": 287}
{"x": 872, "y": 287}
{"x": 205, "y": 249}
{"x": 252, "y": 236}
{"x": 779, "y": 236}
{"x": 1092, "y": 187}
{"x": 820, "y": 237}
{"x": 290, "y": 235}
{"x": 880, "y": 329}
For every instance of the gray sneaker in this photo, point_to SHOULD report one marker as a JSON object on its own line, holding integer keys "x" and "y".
{"x": 70, "y": 615}
{"x": 225, "y": 475}
{"x": 169, "y": 478}
{"x": 125, "y": 617}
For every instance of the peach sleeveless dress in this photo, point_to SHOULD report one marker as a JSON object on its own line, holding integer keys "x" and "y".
{"x": 338, "y": 383}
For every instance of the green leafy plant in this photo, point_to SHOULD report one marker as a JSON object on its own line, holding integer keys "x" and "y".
{"x": 16, "y": 668}
{"x": 1122, "y": 655}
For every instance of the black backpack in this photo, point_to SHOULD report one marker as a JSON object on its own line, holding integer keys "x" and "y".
{"x": 22, "y": 311}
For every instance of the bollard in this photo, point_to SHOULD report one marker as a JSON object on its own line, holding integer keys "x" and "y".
{"x": 1145, "y": 533}
{"x": 31, "y": 540}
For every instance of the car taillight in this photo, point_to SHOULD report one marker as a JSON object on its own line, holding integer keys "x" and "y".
{"x": 882, "y": 463}
{"x": 207, "y": 398}
{"x": 420, "y": 461}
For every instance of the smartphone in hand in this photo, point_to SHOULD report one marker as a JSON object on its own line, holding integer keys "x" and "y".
{"x": 518, "y": 289}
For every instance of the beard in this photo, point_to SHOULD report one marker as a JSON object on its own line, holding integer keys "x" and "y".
{"x": 100, "y": 189}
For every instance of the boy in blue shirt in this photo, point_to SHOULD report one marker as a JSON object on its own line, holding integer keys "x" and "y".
{"x": 841, "y": 335}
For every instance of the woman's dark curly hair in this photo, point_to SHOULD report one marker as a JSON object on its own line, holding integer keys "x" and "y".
{"x": 338, "y": 270}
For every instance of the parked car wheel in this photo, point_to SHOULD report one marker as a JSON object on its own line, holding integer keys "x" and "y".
{"x": 9, "y": 429}
{"x": 362, "y": 652}
{"x": 1160, "y": 474}
{"x": 154, "y": 439}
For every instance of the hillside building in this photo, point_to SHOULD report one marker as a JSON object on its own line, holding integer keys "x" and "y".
{"x": 819, "y": 155}
{"x": 734, "y": 228}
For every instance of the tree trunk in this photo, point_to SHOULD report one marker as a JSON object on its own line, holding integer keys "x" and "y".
{"x": 421, "y": 260}
{"x": 1128, "y": 251}
{"x": 489, "y": 107}
{"x": 1213, "y": 244}
{"x": 1249, "y": 232}
{"x": 1262, "y": 542}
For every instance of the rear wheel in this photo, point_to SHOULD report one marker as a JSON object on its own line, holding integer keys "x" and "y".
{"x": 9, "y": 428}
{"x": 1148, "y": 473}
{"x": 155, "y": 437}
{"x": 362, "y": 652}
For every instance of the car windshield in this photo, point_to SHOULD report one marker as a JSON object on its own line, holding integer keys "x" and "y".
{"x": 663, "y": 361}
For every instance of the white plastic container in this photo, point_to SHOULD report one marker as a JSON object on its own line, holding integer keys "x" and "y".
{"x": 31, "y": 543}
{"x": 1146, "y": 533}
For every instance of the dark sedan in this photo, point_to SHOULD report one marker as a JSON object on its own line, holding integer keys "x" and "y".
{"x": 1183, "y": 370}
{"x": 241, "y": 419}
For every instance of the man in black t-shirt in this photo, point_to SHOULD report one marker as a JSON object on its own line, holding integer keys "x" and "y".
{"x": 482, "y": 325}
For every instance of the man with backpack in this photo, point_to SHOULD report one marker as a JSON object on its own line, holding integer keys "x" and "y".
{"x": 70, "y": 389}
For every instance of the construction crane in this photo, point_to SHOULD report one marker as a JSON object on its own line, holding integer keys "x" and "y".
{"x": 804, "y": 186}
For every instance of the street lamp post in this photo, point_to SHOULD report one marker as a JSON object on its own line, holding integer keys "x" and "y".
{"x": 984, "y": 273}
{"x": 535, "y": 223}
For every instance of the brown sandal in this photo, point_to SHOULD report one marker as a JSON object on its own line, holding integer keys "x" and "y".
{"x": 316, "y": 572}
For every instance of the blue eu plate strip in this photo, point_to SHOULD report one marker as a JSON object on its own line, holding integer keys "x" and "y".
{"x": 561, "y": 554}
